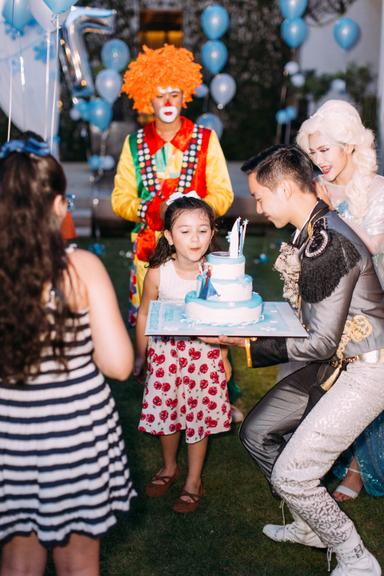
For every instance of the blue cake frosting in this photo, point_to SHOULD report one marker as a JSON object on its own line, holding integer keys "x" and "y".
{"x": 254, "y": 302}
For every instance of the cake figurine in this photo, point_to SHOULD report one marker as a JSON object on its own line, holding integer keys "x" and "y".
{"x": 224, "y": 293}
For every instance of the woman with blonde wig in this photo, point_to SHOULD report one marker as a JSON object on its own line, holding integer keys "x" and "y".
{"x": 344, "y": 150}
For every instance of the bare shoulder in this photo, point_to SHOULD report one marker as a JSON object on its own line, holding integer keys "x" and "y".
{"x": 85, "y": 272}
{"x": 153, "y": 275}
{"x": 83, "y": 258}
{"x": 86, "y": 264}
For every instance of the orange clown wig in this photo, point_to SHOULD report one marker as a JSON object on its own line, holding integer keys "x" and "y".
{"x": 162, "y": 68}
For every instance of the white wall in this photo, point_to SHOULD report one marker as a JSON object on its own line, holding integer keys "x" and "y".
{"x": 322, "y": 53}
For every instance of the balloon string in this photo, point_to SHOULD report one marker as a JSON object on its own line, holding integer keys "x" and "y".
{"x": 48, "y": 38}
{"x": 10, "y": 100}
{"x": 22, "y": 78}
{"x": 54, "y": 103}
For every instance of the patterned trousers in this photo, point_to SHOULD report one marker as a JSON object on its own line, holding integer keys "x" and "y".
{"x": 339, "y": 417}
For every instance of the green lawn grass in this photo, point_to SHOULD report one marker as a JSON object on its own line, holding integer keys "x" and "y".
{"x": 223, "y": 538}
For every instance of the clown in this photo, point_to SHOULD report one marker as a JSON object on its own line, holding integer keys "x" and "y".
{"x": 171, "y": 154}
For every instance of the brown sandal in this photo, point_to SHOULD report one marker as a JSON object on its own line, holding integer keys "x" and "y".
{"x": 185, "y": 506}
{"x": 159, "y": 485}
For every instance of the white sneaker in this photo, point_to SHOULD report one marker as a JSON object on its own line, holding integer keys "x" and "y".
{"x": 292, "y": 533}
{"x": 353, "y": 559}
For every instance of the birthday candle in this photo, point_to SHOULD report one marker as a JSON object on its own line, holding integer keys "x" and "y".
{"x": 234, "y": 240}
{"x": 242, "y": 236}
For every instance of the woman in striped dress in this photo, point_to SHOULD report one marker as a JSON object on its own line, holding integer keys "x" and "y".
{"x": 63, "y": 467}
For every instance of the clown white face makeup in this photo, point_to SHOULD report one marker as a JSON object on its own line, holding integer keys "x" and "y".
{"x": 167, "y": 104}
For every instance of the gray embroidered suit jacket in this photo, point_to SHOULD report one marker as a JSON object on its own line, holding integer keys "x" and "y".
{"x": 358, "y": 292}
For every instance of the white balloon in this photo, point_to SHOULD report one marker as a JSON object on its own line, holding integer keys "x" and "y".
{"x": 291, "y": 68}
{"x": 223, "y": 89}
{"x": 74, "y": 114}
{"x": 2, "y": 2}
{"x": 44, "y": 16}
{"x": 107, "y": 162}
{"x": 338, "y": 85}
{"x": 298, "y": 80}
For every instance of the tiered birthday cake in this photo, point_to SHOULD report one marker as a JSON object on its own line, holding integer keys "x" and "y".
{"x": 224, "y": 293}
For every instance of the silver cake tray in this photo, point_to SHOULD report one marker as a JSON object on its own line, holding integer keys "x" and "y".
{"x": 168, "y": 319}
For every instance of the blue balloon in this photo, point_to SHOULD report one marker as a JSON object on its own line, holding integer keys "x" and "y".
{"x": 346, "y": 33}
{"x": 108, "y": 84}
{"x": 291, "y": 112}
{"x": 211, "y": 121}
{"x": 293, "y": 8}
{"x": 201, "y": 91}
{"x": 214, "y": 21}
{"x": 94, "y": 162}
{"x": 294, "y": 32}
{"x": 59, "y": 6}
{"x": 282, "y": 116}
{"x": 97, "y": 248}
{"x": 82, "y": 107}
{"x": 17, "y": 14}
{"x": 115, "y": 54}
{"x": 214, "y": 55}
{"x": 100, "y": 113}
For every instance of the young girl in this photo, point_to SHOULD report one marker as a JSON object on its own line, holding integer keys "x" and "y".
{"x": 344, "y": 150}
{"x": 63, "y": 468}
{"x": 186, "y": 387}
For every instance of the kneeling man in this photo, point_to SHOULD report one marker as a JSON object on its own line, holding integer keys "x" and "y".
{"x": 334, "y": 387}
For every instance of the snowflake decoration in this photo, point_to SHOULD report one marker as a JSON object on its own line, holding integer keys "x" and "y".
{"x": 41, "y": 52}
{"x": 13, "y": 32}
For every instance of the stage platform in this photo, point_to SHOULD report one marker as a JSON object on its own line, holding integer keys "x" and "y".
{"x": 93, "y": 214}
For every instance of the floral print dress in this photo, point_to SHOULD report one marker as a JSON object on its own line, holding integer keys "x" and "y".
{"x": 185, "y": 387}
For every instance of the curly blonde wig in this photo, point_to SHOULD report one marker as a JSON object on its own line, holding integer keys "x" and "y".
{"x": 340, "y": 121}
{"x": 164, "y": 67}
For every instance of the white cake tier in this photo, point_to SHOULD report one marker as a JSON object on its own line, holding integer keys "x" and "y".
{"x": 223, "y": 313}
{"x": 224, "y": 267}
{"x": 230, "y": 290}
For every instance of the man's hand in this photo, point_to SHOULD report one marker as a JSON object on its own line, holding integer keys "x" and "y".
{"x": 226, "y": 340}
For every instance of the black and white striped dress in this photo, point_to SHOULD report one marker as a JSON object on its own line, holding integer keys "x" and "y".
{"x": 63, "y": 466}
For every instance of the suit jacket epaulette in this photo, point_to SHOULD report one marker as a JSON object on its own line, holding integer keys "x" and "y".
{"x": 327, "y": 257}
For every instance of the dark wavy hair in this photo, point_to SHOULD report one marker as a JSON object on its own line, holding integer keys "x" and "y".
{"x": 164, "y": 251}
{"x": 32, "y": 258}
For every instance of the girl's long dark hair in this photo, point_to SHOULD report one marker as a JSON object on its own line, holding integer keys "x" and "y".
{"x": 32, "y": 258}
{"x": 164, "y": 251}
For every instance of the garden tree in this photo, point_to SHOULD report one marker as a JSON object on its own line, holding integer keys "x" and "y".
{"x": 322, "y": 11}
{"x": 256, "y": 59}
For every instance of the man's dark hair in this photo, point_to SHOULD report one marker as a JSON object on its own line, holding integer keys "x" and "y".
{"x": 278, "y": 162}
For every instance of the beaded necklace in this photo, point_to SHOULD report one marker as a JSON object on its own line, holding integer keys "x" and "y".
{"x": 147, "y": 163}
